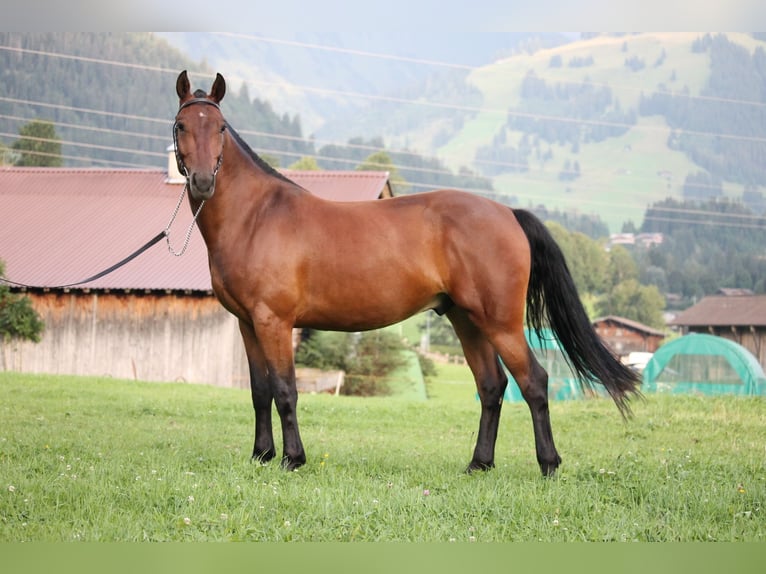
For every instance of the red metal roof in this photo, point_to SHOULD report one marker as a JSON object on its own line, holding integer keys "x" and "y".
{"x": 61, "y": 225}
{"x": 342, "y": 185}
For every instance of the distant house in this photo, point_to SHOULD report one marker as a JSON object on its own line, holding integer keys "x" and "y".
{"x": 153, "y": 319}
{"x": 739, "y": 318}
{"x": 734, "y": 291}
{"x": 642, "y": 239}
{"x": 624, "y": 336}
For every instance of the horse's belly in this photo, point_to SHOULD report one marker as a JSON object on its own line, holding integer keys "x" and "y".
{"x": 365, "y": 311}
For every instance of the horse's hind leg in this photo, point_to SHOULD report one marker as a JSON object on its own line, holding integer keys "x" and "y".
{"x": 533, "y": 383}
{"x": 490, "y": 382}
{"x": 263, "y": 447}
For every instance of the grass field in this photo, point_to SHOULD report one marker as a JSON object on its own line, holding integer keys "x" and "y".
{"x": 102, "y": 460}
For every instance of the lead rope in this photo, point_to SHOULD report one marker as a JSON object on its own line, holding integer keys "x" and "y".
{"x": 157, "y": 238}
{"x": 191, "y": 225}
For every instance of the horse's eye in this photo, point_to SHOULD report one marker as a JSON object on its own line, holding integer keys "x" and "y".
{"x": 223, "y": 128}
{"x": 180, "y": 127}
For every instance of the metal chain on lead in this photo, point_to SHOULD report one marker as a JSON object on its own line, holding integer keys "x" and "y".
{"x": 191, "y": 225}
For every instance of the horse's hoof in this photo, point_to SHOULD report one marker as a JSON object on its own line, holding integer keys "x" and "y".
{"x": 289, "y": 463}
{"x": 476, "y": 465}
{"x": 549, "y": 468}
{"x": 263, "y": 457}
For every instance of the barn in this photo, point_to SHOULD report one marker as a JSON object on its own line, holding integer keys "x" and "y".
{"x": 624, "y": 336}
{"x": 156, "y": 317}
{"x": 741, "y": 318}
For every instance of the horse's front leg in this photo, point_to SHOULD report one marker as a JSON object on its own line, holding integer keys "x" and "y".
{"x": 263, "y": 447}
{"x": 277, "y": 345}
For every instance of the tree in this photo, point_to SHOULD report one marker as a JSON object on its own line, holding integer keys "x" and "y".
{"x": 18, "y": 319}
{"x": 377, "y": 354}
{"x": 621, "y": 267}
{"x": 587, "y": 260}
{"x": 38, "y": 146}
{"x": 631, "y": 300}
{"x": 306, "y": 163}
{"x": 270, "y": 159}
{"x": 7, "y": 156}
{"x": 367, "y": 358}
{"x": 440, "y": 331}
{"x": 381, "y": 161}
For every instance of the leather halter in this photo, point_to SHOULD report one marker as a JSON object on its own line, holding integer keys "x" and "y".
{"x": 181, "y": 165}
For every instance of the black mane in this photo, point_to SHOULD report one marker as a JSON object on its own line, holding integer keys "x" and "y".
{"x": 260, "y": 162}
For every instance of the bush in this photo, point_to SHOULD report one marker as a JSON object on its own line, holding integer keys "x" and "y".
{"x": 18, "y": 319}
{"x": 427, "y": 366}
{"x": 367, "y": 358}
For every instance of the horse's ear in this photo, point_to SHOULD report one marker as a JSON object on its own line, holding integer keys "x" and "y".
{"x": 219, "y": 89}
{"x": 183, "y": 87}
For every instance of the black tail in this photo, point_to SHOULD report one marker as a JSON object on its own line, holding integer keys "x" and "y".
{"x": 552, "y": 299}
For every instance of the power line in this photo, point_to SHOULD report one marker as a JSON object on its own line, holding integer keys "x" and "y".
{"x": 400, "y": 100}
{"x": 394, "y": 99}
{"x": 514, "y": 166}
{"x": 111, "y": 131}
{"x": 523, "y": 178}
{"x": 143, "y": 67}
{"x": 690, "y": 211}
{"x": 343, "y": 93}
{"x": 449, "y": 65}
{"x": 710, "y": 221}
{"x": 498, "y": 111}
{"x": 349, "y": 51}
{"x": 82, "y": 110}
{"x": 84, "y": 159}
{"x": 85, "y": 145}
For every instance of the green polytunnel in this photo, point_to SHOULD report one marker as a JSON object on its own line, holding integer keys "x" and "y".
{"x": 562, "y": 382}
{"x": 704, "y": 364}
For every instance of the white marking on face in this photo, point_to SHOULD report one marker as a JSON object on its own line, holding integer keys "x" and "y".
{"x": 201, "y": 114}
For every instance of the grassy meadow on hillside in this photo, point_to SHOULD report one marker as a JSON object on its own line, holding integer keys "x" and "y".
{"x": 104, "y": 460}
{"x": 638, "y": 166}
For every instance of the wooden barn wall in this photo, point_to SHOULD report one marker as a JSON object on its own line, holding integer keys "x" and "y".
{"x": 623, "y": 340}
{"x": 146, "y": 337}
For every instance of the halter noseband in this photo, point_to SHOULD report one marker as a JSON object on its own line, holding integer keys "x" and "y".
{"x": 179, "y": 160}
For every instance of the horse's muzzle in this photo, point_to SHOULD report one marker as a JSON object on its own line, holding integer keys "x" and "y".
{"x": 202, "y": 185}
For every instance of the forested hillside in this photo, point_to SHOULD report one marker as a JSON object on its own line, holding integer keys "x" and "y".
{"x": 658, "y": 133}
{"x": 112, "y": 100}
{"x": 707, "y": 246}
{"x": 111, "y": 96}
{"x": 726, "y": 140}
{"x": 639, "y": 117}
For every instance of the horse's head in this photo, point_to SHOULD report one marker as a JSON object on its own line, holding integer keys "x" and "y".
{"x": 198, "y": 135}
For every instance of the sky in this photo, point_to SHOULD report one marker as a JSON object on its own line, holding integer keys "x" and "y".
{"x": 416, "y": 16}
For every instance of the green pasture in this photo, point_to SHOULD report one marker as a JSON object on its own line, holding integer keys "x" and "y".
{"x": 90, "y": 459}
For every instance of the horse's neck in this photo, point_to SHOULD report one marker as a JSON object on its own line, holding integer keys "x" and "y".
{"x": 244, "y": 188}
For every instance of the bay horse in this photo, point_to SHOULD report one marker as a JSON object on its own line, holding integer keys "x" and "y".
{"x": 281, "y": 257}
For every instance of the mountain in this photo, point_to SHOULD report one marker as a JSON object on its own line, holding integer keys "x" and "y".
{"x": 593, "y": 124}
{"x": 322, "y": 76}
{"x": 112, "y": 97}
{"x": 601, "y": 125}
{"x": 610, "y": 124}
